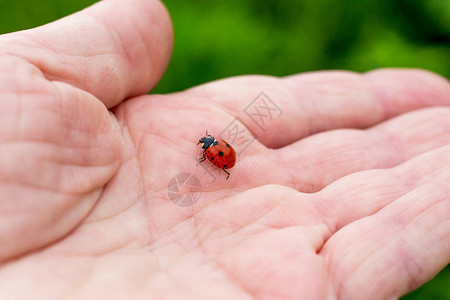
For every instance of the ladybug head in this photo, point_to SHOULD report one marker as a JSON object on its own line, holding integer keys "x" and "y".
{"x": 206, "y": 141}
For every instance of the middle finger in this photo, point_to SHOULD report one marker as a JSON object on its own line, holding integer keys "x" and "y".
{"x": 312, "y": 163}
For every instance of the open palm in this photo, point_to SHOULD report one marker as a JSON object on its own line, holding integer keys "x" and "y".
{"x": 340, "y": 190}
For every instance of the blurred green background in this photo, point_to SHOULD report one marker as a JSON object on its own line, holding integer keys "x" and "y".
{"x": 278, "y": 37}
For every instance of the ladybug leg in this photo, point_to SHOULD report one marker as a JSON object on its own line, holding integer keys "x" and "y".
{"x": 203, "y": 157}
{"x": 226, "y": 172}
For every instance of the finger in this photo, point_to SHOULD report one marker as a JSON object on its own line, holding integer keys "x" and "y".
{"x": 324, "y": 158}
{"x": 364, "y": 193}
{"x": 404, "y": 241}
{"x": 58, "y": 148}
{"x": 113, "y": 50}
{"x": 297, "y": 106}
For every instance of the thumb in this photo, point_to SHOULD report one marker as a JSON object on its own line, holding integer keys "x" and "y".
{"x": 114, "y": 49}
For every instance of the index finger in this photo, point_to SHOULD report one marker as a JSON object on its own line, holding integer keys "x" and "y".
{"x": 280, "y": 111}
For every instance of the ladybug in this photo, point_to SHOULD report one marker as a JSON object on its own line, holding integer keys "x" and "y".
{"x": 218, "y": 152}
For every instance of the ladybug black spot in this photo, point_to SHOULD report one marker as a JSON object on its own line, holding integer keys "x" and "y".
{"x": 228, "y": 146}
{"x": 212, "y": 157}
{"x": 215, "y": 143}
{"x": 224, "y": 166}
{"x": 220, "y": 153}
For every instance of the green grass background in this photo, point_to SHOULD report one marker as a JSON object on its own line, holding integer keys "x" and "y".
{"x": 216, "y": 39}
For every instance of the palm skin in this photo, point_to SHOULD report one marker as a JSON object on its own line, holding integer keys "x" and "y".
{"x": 344, "y": 195}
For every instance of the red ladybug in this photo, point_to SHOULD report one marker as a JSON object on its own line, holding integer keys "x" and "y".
{"x": 218, "y": 152}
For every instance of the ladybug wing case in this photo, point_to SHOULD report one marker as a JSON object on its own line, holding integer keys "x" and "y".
{"x": 222, "y": 155}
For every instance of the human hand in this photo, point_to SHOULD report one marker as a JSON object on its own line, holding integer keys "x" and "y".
{"x": 310, "y": 211}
